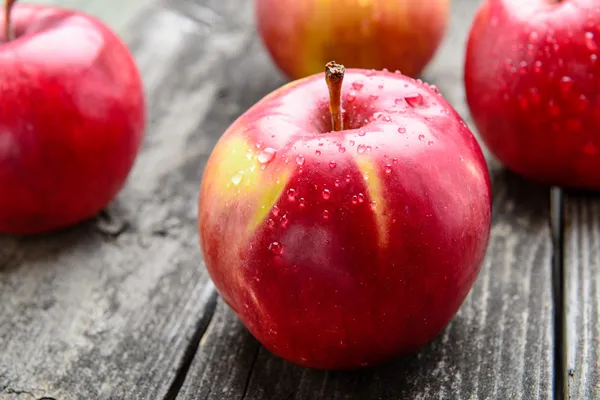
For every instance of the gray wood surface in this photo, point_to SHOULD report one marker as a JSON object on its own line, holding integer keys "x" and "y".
{"x": 500, "y": 345}
{"x": 582, "y": 296}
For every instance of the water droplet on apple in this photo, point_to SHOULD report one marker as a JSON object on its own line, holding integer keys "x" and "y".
{"x": 377, "y": 115}
{"x": 361, "y": 148}
{"x": 284, "y": 221}
{"x": 537, "y": 66}
{"x": 394, "y": 160}
{"x": 362, "y": 132}
{"x": 533, "y": 37}
{"x": 318, "y": 152}
{"x": 373, "y": 205}
{"x": 337, "y": 183}
{"x": 300, "y": 159}
{"x": 373, "y": 97}
{"x": 593, "y": 58}
{"x": 430, "y": 143}
{"x": 347, "y": 178}
{"x": 266, "y": 156}
{"x": 259, "y": 144}
{"x": 386, "y": 118}
{"x": 402, "y": 130}
{"x": 326, "y": 194}
{"x": 590, "y": 41}
{"x": 380, "y": 86}
{"x": 590, "y": 149}
{"x": 270, "y": 223}
{"x": 291, "y": 193}
{"x": 421, "y": 137}
{"x": 351, "y": 96}
{"x": 276, "y": 248}
{"x": 397, "y": 71}
{"x": 341, "y": 149}
{"x": 325, "y": 214}
{"x": 332, "y": 164}
{"x": 351, "y": 143}
{"x": 399, "y": 101}
{"x": 301, "y": 202}
{"x": 370, "y": 72}
{"x": 553, "y": 108}
{"x": 388, "y": 169}
{"x": 354, "y": 199}
{"x": 237, "y": 178}
{"x": 357, "y": 85}
{"x": 566, "y": 83}
{"x": 414, "y": 99}
{"x": 361, "y": 198}
{"x": 275, "y": 210}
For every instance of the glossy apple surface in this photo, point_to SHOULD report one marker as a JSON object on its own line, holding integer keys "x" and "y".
{"x": 71, "y": 119}
{"x": 342, "y": 249}
{"x": 302, "y": 36}
{"x": 532, "y": 80}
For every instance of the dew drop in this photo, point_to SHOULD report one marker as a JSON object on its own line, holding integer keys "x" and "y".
{"x": 275, "y": 210}
{"x": 301, "y": 202}
{"x": 259, "y": 144}
{"x": 414, "y": 99}
{"x": 237, "y": 178}
{"x": 361, "y": 148}
{"x": 387, "y": 118}
{"x": 362, "y": 132}
{"x": 430, "y": 143}
{"x": 388, "y": 169}
{"x": 373, "y": 205}
{"x": 351, "y": 143}
{"x": 590, "y": 42}
{"x": 361, "y": 198}
{"x": 351, "y": 96}
{"x": 402, "y": 130}
{"x": 533, "y": 37}
{"x": 325, "y": 214}
{"x": 337, "y": 183}
{"x": 354, "y": 199}
{"x": 593, "y": 58}
{"x": 284, "y": 221}
{"x": 348, "y": 178}
{"x": 380, "y": 86}
{"x": 276, "y": 248}
{"x": 377, "y": 115}
{"x": 332, "y": 164}
{"x": 566, "y": 83}
{"x": 357, "y": 85}
{"x": 318, "y": 152}
{"x": 291, "y": 193}
{"x": 399, "y": 101}
{"x": 341, "y": 149}
{"x": 373, "y": 97}
{"x": 421, "y": 137}
{"x": 300, "y": 159}
{"x": 266, "y": 156}
{"x": 537, "y": 66}
{"x": 326, "y": 194}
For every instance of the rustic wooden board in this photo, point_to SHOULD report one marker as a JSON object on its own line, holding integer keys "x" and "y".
{"x": 581, "y": 270}
{"x": 500, "y": 345}
{"x": 115, "y": 309}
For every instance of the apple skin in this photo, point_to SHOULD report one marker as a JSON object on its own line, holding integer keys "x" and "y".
{"x": 72, "y": 119}
{"x": 531, "y": 78}
{"x": 301, "y": 36}
{"x": 340, "y": 250}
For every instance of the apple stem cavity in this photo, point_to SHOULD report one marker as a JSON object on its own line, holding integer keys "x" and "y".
{"x": 334, "y": 75}
{"x": 8, "y": 31}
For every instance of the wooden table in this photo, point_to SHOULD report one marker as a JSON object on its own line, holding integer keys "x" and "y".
{"x": 101, "y": 313}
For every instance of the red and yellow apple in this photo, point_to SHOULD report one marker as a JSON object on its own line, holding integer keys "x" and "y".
{"x": 302, "y": 36}
{"x": 532, "y": 78}
{"x": 345, "y": 226}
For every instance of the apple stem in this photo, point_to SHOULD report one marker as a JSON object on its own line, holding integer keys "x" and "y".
{"x": 8, "y": 31}
{"x": 334, "y": 75}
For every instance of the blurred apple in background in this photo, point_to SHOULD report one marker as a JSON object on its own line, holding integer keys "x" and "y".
{"x": 302, "y": 35}
{"x": 72, "y": 118}
{"x": 532, "y": 80}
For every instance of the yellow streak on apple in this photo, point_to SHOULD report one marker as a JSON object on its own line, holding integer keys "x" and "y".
{"x": 241, "y": 178}
{"x": 375, "y": 191}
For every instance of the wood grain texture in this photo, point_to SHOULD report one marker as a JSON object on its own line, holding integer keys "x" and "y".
{"x": 114, "y": 308}
{"x": 499, "y": 346}
{"x": 581, "y": 270}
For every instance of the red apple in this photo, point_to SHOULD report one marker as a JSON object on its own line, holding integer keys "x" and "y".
{"x": 302, "y": 36}
{"x": 344, "y": 238}
{"x": 72, "y": 117}
{"x": 532, "y": 80}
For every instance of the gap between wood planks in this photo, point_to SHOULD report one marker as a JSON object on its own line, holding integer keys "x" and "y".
{"x": 557, "y": 218}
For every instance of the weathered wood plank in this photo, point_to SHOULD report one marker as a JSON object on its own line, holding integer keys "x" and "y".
{"x": 581, "y": 270}
{"x": 500, "y": 345}
{"x": 89, "y": 315}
